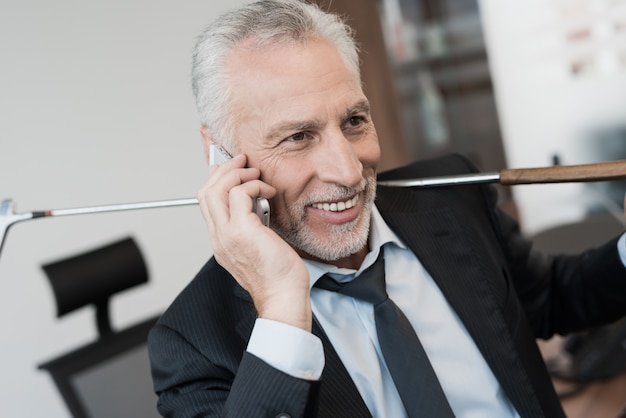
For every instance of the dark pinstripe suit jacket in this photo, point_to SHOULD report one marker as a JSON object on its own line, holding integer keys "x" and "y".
{"x": 505, "y": 294}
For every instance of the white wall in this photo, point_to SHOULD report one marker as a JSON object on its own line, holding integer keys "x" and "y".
{"x": 544, "y": 108}
{"x": 95, "y": 108}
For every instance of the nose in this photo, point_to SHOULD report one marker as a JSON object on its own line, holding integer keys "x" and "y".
{"x": 339, "y": 161}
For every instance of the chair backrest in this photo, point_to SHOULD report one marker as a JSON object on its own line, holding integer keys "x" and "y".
{"x": 92, "y": 277}
{"x": 109, "y": 377}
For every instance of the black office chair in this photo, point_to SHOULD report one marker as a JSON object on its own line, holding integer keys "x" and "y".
{"x": 109, "y": 377}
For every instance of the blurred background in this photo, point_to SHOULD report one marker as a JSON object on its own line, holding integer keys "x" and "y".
{"x": 515, "y": 84}
{"x": 96, "y": 108}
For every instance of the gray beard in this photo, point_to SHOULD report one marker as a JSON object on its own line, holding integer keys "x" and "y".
{"x": 343, "y": 240}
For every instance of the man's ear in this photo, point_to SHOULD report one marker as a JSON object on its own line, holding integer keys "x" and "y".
{"x": 207, "y": 140}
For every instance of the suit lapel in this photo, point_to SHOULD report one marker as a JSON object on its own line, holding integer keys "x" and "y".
{"x": 434, "y": 234}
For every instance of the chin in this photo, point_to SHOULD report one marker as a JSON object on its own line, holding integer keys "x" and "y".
{"x": 338, "y": 241}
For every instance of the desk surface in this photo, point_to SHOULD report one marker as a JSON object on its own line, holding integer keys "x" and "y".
{"x": 600, "y": 399}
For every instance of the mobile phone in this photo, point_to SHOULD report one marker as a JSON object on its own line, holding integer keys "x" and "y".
{"x": 260, "y": 206}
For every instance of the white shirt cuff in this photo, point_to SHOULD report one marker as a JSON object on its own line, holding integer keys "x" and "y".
{"x": 287, "y": 348}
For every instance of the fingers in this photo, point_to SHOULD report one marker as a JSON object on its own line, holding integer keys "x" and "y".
{"x": 229, "y": 192}
{"x": 222, "y": 178}
{"x": 241, "y": 203}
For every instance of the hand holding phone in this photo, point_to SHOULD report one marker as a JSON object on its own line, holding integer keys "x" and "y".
{"x": 262, "y": 262}
{"x": 260, "y": 206}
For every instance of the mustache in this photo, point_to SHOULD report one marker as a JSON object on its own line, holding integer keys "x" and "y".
{"x": 336, "y": 193}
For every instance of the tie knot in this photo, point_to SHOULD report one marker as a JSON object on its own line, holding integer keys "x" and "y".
{"x": 368, "y": 286}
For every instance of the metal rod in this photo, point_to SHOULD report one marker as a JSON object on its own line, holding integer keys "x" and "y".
{"x": 121, "y": 207}
{"x": 8, "y": 216}
{"x": 444, "y": 180}
{"x": 612, "y": 170}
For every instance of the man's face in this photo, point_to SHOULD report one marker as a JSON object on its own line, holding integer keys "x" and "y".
{"x": 303, "y": 120}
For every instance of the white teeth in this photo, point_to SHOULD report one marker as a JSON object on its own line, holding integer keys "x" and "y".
{"x": 337, "y": 207}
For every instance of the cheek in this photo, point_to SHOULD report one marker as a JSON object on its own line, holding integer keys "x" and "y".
{"x": 290, "y": 179}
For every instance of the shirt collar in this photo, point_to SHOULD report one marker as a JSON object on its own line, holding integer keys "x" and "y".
{"x": 380, "y": 234}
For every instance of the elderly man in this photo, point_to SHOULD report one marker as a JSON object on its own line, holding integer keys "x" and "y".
{"x": 269, "y": 326}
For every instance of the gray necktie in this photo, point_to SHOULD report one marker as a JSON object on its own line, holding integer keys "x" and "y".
{"x": 406, "y": 359}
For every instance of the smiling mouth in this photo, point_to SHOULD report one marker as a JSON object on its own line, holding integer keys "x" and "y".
{"x": 337, "y": 206}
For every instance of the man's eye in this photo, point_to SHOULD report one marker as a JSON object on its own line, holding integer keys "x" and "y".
{"x": 297, "y": 137}
{"x": 356, "y": 121}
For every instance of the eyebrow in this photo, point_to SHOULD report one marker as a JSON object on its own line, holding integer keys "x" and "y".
{"x": 362, "y": 106}
{"x": 311, "y": 124}
{"x": 293, "y": 126}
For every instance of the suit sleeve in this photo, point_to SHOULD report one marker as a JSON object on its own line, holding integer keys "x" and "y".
{"x": 566, "y": 293}
{"x": 190, "y": 385}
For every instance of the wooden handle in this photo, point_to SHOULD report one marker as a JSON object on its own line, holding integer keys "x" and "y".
{"x": 612, "y": 170}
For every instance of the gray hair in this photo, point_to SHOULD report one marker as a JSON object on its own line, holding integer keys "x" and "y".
{"x": 265, "y": 22}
